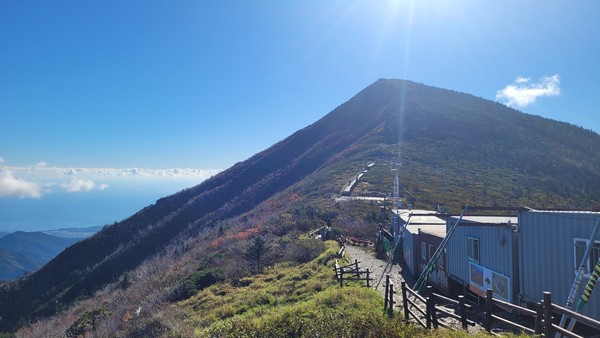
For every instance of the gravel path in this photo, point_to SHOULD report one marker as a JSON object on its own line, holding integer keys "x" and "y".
{"x": 398, "y": 273}
{"x": 366, "y": 260}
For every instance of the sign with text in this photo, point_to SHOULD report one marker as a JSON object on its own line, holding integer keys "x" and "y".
{"x": 481, "y": 279}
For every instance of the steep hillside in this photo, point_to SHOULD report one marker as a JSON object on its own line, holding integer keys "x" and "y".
{"x": 22, "y": 252}
{"x": 454, "y": 148}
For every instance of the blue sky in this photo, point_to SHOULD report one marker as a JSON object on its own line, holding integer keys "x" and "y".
{"x": 205, "y": 84}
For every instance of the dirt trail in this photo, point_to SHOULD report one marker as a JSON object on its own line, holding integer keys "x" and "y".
{"x": 398, "y": 273}
{"x": 376, "y": 266}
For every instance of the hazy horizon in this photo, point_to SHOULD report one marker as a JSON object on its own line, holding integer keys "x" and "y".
{"x": 187, "y": 84}
{"x": 62, "y": 210}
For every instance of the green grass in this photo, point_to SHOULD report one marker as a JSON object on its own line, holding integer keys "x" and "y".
{"x": 291, "y": 300}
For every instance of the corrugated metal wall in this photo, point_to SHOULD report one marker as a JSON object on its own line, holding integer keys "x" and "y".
{"x": 492, "y": 253}
{"x": 410, "y": 251}
{"x": 547, "y": 260}
{"x": 438, "y": 276}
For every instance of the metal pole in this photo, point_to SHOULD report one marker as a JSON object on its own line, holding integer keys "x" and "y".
{"x": 589, "y": 288}
{"x": 436, "y": 256}
{"x": 579, "y": 275}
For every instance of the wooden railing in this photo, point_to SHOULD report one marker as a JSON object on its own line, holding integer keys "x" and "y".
{"x": 358, "y": 241}
{"x": 460, "y": 303}
{"x": 542, "y": 315}
{"x": 342, "y": 251}
{"x": 490, "y": 301}
{"x": 553, "y": 308}
{"x": 413, "y": 307}
{"x": 351, "y": 272}
{"x": 425, "y": 310}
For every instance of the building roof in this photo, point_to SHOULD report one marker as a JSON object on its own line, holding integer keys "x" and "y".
{"x": 587, "y": 212}
{"x": 488, "y": 219}
{"x": 432, "y": 229}
{"x": 426, "y": 220}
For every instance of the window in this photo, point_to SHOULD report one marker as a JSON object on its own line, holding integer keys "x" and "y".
{"x": 579, "y": 246}
{"x": 473, "y": 249}
{"x": 431, "y": 252}
{"x": 423, "y": 251}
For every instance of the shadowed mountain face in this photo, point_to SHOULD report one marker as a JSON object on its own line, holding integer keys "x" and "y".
{"x": 22, "y": 252}
{"x": 454, "y": 148}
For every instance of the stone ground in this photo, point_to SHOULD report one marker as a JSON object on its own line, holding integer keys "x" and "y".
{"x": 379, "y": 268}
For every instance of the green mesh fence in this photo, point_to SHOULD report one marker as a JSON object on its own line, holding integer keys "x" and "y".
{"x": 386, "y": 245}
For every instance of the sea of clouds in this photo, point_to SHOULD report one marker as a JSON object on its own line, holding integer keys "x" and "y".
{"x": 39, "y": 180}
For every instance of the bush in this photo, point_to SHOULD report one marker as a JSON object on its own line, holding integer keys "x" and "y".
{"x": 194, "y": 283}
{"x": 151, "y": 328}
{"x": 305, "y": 250}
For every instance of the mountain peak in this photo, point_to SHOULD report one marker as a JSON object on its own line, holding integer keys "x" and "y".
{"x": 453, "y": 149}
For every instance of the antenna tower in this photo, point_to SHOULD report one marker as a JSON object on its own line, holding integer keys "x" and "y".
{"x": 397, "y": 202}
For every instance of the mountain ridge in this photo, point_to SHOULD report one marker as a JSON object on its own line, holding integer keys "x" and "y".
{"x": 451, "y": 145}
{"x": 24, "y": 252}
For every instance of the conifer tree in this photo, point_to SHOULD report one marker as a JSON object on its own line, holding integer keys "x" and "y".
{"x": 256, "y": 253}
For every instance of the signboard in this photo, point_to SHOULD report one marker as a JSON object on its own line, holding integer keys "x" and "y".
{"x": 481, "y": 279}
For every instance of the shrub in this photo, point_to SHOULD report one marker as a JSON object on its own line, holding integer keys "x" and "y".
{"x": 194, "y": 283}
{"x": 151, "y": 328}
{"x": 305, "y": 250}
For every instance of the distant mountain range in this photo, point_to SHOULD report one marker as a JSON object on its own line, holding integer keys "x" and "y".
{"x": 24, "y": 252}
{"x": 74, "y": 232}
{"x": 450, "y": 148}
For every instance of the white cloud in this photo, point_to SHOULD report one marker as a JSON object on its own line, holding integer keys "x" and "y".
{"x": 40, "y": 179}
{"x": 78, "y": 185}
{"x": 48, "y": 172}
{"x": 10, "y": 186}
{"x": 522, "y": 92}
{"x": 521, "y": 79}
{"x": 1, "y": 160}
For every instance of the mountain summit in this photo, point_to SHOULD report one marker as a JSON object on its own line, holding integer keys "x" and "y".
{"x": 453, "y": 148}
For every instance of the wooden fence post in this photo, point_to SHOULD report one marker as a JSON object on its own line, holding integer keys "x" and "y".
{"x": 368, "y": 285}
{"x": 404, "y": 300}
{"x": 431, "y": 304}
{"x": 356, "y": 268}
{"x": 539, "y": 315}
{"x": 548, "y": 314}
{"x": 341, "y": 277}
{"x": 462, "y": 310}
{"x": 428, "y": 311}
{"x": 489, "y": 305}
{"x": 387, "y": 286}
{"x": 391, "y": 301}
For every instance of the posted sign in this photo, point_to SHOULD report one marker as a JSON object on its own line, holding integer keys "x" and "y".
{"x": 481, "y": 279}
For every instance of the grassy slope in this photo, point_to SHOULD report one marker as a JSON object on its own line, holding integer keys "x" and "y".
{"x": 293, "y": 301}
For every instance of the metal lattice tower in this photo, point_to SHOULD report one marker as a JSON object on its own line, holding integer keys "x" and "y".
{"x": 397, "y": 190}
